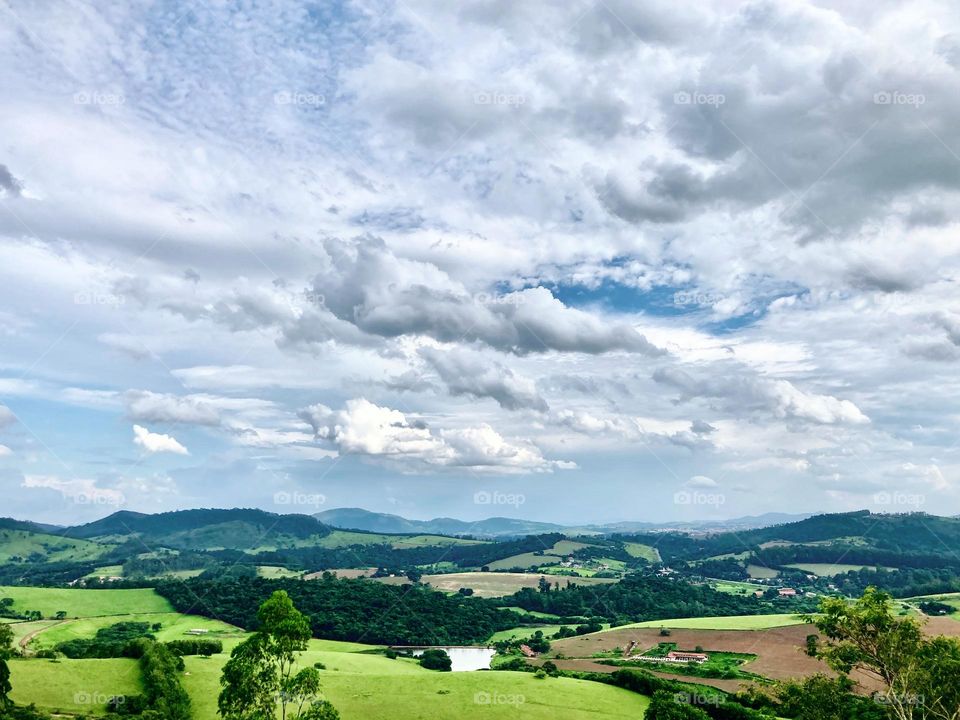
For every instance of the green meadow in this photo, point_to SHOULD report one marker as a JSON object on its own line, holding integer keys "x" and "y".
{"x": 174, "y": 626}
{"x": 81, "y": 602}
{"x": 80, "y": 687}
{"x": 733, "y": 622}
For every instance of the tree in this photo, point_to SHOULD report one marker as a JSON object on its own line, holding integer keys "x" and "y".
{"x": 434, "y": 659}
{"x": 671, "y": 706}
{"x": 6, "y": 645}
{"x": 919, "y": 673}
{"x": 260, "y": 671}
{"x": 61, "y": 614}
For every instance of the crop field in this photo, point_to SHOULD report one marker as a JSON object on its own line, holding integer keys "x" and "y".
{"x": 733, "y": 622}
{"x": 494, "y": 584}
{"x": 548, "y": 556}
{"x": 829, "y": 569}
{"x": 82, "y": 602}
{"x": 778, "y": 650}
{"x": 81, "y": 687}
{"x": 23, "y": 544}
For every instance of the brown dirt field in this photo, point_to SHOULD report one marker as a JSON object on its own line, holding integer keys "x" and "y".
{"x": 942, "y": 626}
{"x": 778, "y": 650}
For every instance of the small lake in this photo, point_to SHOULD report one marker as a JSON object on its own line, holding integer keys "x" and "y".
{"x": 463, "y": 659}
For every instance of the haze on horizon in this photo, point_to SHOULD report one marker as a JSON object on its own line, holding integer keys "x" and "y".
{"x": 577, "y": 262}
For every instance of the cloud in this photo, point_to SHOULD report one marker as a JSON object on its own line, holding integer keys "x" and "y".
{"x": 366, "y": 285}
{"x": 471, "y": 374}
{"x": 10, "y": 186}
{"x": 146, "y": 406}
{"x": 156, "y": 442}
{"x": 7, "y": 416}
{"x": 5, "y": 451}
{"x": 77, "y": 490}
{"x": 365, "y": 429}
{"x": 779, "y": 397}
{"x": 701, "y": 481}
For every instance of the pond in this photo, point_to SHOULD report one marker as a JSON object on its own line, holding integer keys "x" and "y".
{"x": 464, "y": 658}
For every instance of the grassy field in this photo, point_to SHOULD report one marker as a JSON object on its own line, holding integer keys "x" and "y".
{"x": 74, "y": 686}
{"x": 493, "y": 584}
{"x": 758, "y": 572}
{"x": 829, "y": 569}
{"x": 345, "y": 538}
{"x": 736, "y": 588}
{"x": 951, "y": 599}
{"x": 106, "y": 571}
{"x": 364, "y": 686}
{"x": 272, "y": 571}
{"x": 23, "y": 543}
{"x": 174, "y": 627}
{"x": 639, "y": 550}
{"x": 734, "y": 622}
{"x": 81, "y": 602}
{"x": 549, "y": 556}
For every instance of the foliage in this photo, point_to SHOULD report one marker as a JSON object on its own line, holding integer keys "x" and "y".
{"x": 259, "y": 674}
{"x": 435, "y": 659}
{"x": 163, "y": 694}
{"x": 111, "y": 641}
{"x": 919, "y": 674}
{"x": 344, "y": 609}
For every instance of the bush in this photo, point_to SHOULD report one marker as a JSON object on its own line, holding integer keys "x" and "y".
{"x": 434, "y": 659}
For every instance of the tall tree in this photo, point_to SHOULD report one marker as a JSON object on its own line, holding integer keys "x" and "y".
{"x": 6, "y": 645}
{"x": 920, "y": 674}
{"x": 260, "y": 675}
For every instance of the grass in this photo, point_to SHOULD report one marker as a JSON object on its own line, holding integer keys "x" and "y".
{"x": 719, "y": 664}
{"x": 524, "y": 631}
{"x": 830, "y": 569}
{"x": 174, "y": 627}
{"x": 106, "y": 571}
{"x": 736, "y": 588}
{"x": 345, "y": 538}
{"x": 524, "y": 560}
{"x": 273, "y": 571}
{"x": 74, "y": 686}
{"x": 639, "y": 550}
{"x": 491, "y": 584}
{"x": 80, "y": 602}
{"x": 733, "y": 622}
{"x": 363, "y": 686}
{"x": 758, "y": 572}
{"x": 23, "y": 544}
{"x": 951, "y": 599}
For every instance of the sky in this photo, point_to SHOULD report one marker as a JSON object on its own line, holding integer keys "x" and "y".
{"x": 579, "y": 261}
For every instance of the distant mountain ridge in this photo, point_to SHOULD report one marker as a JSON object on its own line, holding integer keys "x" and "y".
{"x": 369, "y": 521}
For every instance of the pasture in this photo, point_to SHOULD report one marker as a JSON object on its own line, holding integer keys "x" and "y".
{"x": 174, "y": 626}
{"x": 830, "y": 569}
{"x": 83, "y": 602}
{"x": 53, "y": 548}
{"x": 80, "y": 687}
{"x": 494, "y": 584}
{"x": 733, "y": 622}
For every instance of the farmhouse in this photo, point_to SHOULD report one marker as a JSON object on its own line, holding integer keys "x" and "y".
{"x": 677, "y": 656}
{"x": 787, "y": 592}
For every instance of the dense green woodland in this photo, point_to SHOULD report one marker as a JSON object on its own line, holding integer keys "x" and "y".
{"x": 637, "y": 598}
{"x": 356, "y": 610}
